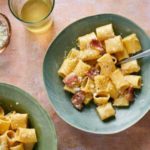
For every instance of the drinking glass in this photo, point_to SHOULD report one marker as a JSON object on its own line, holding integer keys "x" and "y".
{"x": 36, "y": 15}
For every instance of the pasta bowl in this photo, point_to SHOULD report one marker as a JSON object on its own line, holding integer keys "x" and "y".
{"x": 15, "y": 99}
{"x": 87, "y": 120}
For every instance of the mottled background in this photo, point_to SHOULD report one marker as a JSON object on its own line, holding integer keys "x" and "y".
{"x": 21, "y": 65}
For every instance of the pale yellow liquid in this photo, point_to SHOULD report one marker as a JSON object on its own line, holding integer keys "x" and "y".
{"x": 34, "y": 11}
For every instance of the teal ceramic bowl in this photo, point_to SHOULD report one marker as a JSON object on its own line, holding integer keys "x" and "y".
{"x": 13, "y": 98}
{"x": 88, "y": 120}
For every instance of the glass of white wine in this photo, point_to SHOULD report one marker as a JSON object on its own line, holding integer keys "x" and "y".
{"x": 36, "y": 15}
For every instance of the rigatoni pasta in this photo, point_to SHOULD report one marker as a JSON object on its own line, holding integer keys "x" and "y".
{"x": 122, "y": 55}
{"x": 119, "y": 80}
{"x": 101, "y": 98}
{"x": 88, "y": 98}
{"x": 81, "y": 68}
{"x": 89, "y": 54}
{"x": 105, "y": 32}
{"x": 25, "y": 135}
{"x": 3, "y": 142}
{"x": 132, "y": 44}
{"x": 106, "y": 64}
{"x": 4, "y": 124}
{"x": 14, "y": 132}
{"x": 73, "y": 53}
{"x": 134, "y": 80}
{"x": 112, "y": 90}
{"x": 106, "y": 111}
{"x": 84, "y": 40}
{"x": 101, "y": 83}
{"x": 114, "y": 45}
{"x": 69, "y": 89}
{"x": 11, "y": 137}
{"x": 95, "y": 75}
{"x": 67, "y": 67}
{"x": 121, "y": 101}
{"x": 19, "y": 121}
{"x": 87, "y": 85}
{"x": 130, "y": 67}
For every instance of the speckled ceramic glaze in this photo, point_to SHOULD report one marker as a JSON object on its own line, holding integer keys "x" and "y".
{"x": 88, "y": 120}
{"x": 13, "y": 98}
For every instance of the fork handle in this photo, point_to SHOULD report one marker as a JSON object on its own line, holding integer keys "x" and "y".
{"x": 137, "y": 56}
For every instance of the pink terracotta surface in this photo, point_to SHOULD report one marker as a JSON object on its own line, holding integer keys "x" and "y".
{"x": 21, "y": 65}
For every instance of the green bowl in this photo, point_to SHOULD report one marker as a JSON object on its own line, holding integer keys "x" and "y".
{"x": 88, "y": 120}
{"x": 13, "y": 98}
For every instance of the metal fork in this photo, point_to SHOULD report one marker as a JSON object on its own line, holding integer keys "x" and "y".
{"x": 137, "y": 56}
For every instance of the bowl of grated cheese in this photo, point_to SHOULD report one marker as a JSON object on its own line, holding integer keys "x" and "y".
{"x": 5, "y": 32}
